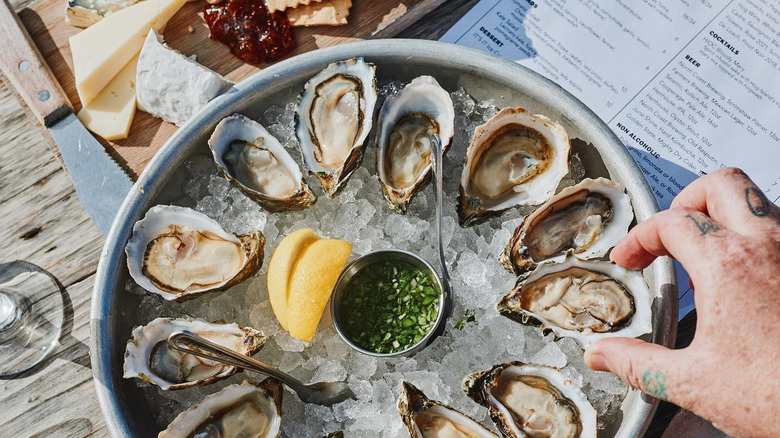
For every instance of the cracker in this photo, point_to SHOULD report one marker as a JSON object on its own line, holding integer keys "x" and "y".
{"x": 280, "y": 5}
{"x": 324, "y": 13}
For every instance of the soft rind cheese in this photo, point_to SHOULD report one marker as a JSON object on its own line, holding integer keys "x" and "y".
{"x": 103, "y": 49}
{"x": 85, "y": 13}
{"x": 111, "y": 113}
{"x": 172, "y": 86}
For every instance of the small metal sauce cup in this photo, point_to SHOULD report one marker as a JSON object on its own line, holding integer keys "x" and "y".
{"x": 445, "y": 301}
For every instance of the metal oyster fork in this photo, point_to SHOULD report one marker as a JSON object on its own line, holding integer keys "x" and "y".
{"x": 437, "y": 157}
{"x": 321, "y": 393}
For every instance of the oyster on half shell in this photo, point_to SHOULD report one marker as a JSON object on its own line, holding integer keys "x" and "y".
{"x": 583, "y": 300}
{"x": 425, "y": 418}
{"x": 178, "y": 253}
{"x": 531, "y": 401}
{"x": 515, "y": 158}
{"x": 333, "y": 118}
{"x": 254, "y": 160}
{"x": 586, "y": 220}
{"x": 148, "y": 357}
{"x": 406, "y": 122}
{"x": 246, "y": 410}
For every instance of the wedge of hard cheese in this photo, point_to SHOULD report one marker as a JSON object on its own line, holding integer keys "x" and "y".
{"x": 111, "y": 113}
{"x": 105, "y": 48}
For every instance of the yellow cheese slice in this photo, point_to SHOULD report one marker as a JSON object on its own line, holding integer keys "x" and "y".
{"x": 103, "y": 49}
{"x": 111, "y": 113}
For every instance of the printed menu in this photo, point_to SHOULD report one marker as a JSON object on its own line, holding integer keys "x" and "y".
{"x": 689, "y": 86}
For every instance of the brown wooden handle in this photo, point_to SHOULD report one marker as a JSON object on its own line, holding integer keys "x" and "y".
{"x": 24, "y": 67}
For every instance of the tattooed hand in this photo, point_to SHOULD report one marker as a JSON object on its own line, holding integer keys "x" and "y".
{"x": 726, "y": 234}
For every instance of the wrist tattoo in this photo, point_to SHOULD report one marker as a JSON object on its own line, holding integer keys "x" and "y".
{"x": 704, "y": 224}
{"x": 757, "y": 202}
{"x": 654, "y": 383}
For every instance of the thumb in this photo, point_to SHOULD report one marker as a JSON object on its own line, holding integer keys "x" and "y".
{"x": 651, "y": 368}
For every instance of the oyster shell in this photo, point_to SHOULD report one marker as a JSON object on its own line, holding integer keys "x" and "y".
{"x": 333, "y": 119}
{"x": 586, "y": 220}
{"x": 406, "y": 122}
{"x": 530, "y": 401}
{"x": 516, "y": 158}
{"x": 178, "y": 253}
{"x": 254, "y": 160}
{"x": 583, "y": 300}
{"x": 148, "y": 357}
{"x": 246, "y": 410}
{"x": 426, "y": 418}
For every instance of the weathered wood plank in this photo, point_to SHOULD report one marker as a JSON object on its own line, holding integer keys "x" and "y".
{"x": 66, "y": 370}
{"x": 45, "y": 224}
{"x": 19, "y": 135}
{"x": 76, "y": 411}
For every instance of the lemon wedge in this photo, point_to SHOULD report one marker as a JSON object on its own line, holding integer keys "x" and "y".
{"x": 302, "y": 272}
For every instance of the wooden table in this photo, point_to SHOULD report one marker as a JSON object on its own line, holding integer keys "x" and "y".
{"x": 43, "y": 222}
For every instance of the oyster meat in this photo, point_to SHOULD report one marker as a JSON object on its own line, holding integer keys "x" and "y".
{"x": 333, "y": 118}
{"x": 148, "y": 357}
{"x": 530, "y": 401}
{"x": 426, "y": 418}
{"x": 178, "y": 253}
{"x": 246, "y": 410}
{"x": 583, "y": 300}
{"x": 254, "y": 160}
{"x": 516, "y": 158}
{"x": 586, "y": 220}
{"x": 406, "y": 122}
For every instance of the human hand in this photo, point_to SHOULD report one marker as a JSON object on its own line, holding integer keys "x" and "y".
{"x": 726, "y": 234}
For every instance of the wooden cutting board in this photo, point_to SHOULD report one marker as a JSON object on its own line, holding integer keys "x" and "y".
{"x": 188, "y": 33}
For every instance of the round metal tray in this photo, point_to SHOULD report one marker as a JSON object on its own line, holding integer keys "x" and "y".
{"x": 482, "y": 75}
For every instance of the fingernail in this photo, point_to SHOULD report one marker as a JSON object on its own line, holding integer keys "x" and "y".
{"x": 595, "y": 361}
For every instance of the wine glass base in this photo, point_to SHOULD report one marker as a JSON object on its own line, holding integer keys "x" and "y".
{"x": 35, "y": 332}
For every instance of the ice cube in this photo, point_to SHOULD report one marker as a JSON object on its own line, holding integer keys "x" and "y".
{"x": 288, "y": 343}
{"x": 361, "y": 388}
{"x": 273, "y": 114}
{"x": 361, "y": 365}
{"x": 471, "y": 269}
{"x": 550, "y": 355}
{"x": 218, "y": 186}
{"x": 330, "y": 371}
{"x": 462, "y": 102}
{"x": 336, "y": 348}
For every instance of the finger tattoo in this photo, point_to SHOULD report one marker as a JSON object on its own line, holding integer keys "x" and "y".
{"x": 704, "y": 224}
{"x": 654, "y": 383}
{"x": 757, "y": 202}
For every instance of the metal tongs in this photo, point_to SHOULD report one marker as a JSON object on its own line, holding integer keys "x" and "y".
{"x": 321, "y": 393}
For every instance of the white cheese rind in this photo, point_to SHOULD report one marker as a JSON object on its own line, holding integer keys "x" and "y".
{"x": 85, "y": 13}
{"x": 172, "y": 86}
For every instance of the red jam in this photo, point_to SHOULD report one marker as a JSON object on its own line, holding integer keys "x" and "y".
{"x": 253, "y": 34}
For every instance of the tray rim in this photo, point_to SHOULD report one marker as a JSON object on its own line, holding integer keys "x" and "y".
{"x": 163, "y": 165}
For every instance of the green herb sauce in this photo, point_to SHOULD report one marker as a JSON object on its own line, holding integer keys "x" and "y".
{"x": 389, "y": 306}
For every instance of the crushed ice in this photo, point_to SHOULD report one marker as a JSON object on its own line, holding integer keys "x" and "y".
{"x": 359, "y": 215}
